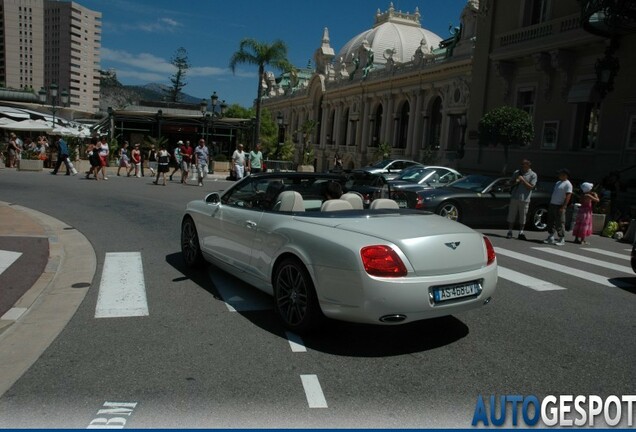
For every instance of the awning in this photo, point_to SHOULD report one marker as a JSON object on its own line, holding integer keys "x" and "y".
{"x": 14, "y": 113}
{"x": 584, "y": 92}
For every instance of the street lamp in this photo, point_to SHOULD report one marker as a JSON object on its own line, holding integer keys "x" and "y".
{"x": 52, "y": 92}
{"x": 214, "y": 114}
{"x": 159, "y": 117}
{"x": 281, "y": 137}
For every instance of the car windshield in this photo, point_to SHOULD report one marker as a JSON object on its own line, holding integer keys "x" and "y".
{"x": 417, "y": 175}
{"x": 382, "y": 163}
{"x": 475, "y": 183}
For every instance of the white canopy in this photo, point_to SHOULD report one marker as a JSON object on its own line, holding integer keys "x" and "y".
{"x": 28, "y": 125}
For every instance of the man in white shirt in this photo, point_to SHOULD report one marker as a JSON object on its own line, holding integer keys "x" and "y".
{"x": 238, "y": 160}
{"x": 561, "y": 195}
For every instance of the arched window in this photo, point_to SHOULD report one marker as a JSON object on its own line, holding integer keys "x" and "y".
{"x": 435, "y": 128}
{"x": 377, "y": 126}
{"x": 344, "y": 128}
{"x": 403, "y": 126}
{"x": 331, "y": 135}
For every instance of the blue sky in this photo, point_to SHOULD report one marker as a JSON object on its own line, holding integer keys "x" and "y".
{"x": 140, "y": 36}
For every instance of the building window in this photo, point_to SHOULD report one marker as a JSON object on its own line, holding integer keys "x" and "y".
{"x": 591, "y": 115}
{"x": 403, "y": 126}
{"x": 435, "y": 128}
{"x": 631, "y": 133}
{"x": 525, "y": 100}
{"x": 344, "y": 127}
{"x": 376, "y": 125}
{"x": 536, "y": 12}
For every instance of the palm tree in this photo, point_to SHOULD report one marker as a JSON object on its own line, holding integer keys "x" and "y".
{"x": 261, "y": 54}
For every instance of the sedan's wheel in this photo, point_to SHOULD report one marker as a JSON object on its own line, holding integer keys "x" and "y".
{"x": 540, "y": 219}
{"x": 190, "y": 248}
{"x": 295, "y": 299}
{"x": 449, "y": 210}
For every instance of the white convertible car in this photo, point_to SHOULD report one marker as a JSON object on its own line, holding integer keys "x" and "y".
{"x": 333, "y": 258}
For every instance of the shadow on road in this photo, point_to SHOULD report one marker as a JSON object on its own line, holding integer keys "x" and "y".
{"x": 343, "y": 338}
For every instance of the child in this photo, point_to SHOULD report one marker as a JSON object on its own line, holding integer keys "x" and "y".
{"x": 583, "y": 223}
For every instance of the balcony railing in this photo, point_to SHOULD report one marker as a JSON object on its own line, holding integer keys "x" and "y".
{"x": 542, "y": 30}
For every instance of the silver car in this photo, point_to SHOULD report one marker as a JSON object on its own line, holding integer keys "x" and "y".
{"x": 334, "y": 259}
{"x": 389, "y": 168}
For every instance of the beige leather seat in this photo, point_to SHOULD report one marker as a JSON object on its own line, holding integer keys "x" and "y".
{"x": 289, "y": 201}
{"x": 353, "y": 198}
{"x": 335, "y": 205}
{"x": 383, "y": 203}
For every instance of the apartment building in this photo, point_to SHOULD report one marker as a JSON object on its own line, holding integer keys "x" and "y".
{"x": 46, "y": 42}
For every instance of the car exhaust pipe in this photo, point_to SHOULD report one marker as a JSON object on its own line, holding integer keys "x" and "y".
{"x": 393, "y": 318}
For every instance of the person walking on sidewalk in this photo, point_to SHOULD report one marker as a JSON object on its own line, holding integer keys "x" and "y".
{"x": 176, "y": 158}
{"x": 152, "y": 160}
{"x": 523, "y": 182}
{"x": 583, "y": 223}
{"x": 201, "y": 159}
{"x": 238, "y": 160}
{"x": 255, "y": 160}
{"x": 62, "y": 156}
{"x": 124, "y": 159}
{"x": 163, "y": 160}
{"x": 136, "y": 160}
{"x": 103, "y": 151}
{"x": 559, "y": 201}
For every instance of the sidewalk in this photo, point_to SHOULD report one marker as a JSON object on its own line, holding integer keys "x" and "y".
{"x": 43, "y": 309}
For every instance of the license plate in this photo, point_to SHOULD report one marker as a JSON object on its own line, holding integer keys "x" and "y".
{"x": 450, "y": 292}
{"x": 401, "y": 204}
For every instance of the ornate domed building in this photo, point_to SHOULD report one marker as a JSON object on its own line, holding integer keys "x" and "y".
{"x": 395, "y": 84}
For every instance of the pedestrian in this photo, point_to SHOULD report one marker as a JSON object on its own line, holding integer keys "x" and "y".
{"x": 163, "y": 160}
{"x": 14, "y": 150}
{"x": 559, "y": 201}
{"x": 152, "y": 160}
{"x": 124, "y": 159}
{"x": 93, "y": 158}
{"x": 238, "y": 162}
{"x": 583, "y": 224}
{"x": 176, "y": 158}
{"x": 202, "y": 159}
{"x": 103, "y": 151}
{"x": 136, "y": 161}
{"x": 337, "y": 162}
{"x": 186, "y": 161}
{"x": 523, "y": 182}
{"x": 62, "y": 156}
{"x": 333, "y": 190}
{"x": 255, "y": 160}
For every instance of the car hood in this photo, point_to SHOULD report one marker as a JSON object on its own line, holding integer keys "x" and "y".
{"x": 432, "y": 244}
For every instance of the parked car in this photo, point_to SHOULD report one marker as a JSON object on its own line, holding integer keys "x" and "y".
{"x": 634, "y": 257}
{"x": 390, "y": 168}
{"x": 417, "y": 177}
{"x": 369, "y": 186}
{"x": 477, "y": 200}
{"x": 382, "y": 265}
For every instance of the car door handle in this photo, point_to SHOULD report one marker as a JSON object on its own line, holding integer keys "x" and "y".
{"x": 250, "y": 224}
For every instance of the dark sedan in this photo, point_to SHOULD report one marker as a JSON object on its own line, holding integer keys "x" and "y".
{"x": 476, "y": 200}
{"x": 634, "y": 257}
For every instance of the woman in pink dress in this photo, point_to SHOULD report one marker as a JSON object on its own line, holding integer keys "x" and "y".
{"x": 583, "y": 223}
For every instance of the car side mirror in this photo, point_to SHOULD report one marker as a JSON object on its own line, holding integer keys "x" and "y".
{"x": 213, "y": 198}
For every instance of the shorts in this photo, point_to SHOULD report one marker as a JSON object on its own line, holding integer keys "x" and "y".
{"x": 518, "y": 208}
{"x": 185, "y": 166}
{"x": 103, "y": 161}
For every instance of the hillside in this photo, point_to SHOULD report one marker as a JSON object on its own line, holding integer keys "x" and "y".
{"x": 115, "y": 94}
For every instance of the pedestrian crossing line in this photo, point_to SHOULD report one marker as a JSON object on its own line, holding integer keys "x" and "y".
{"x": 527, "y": 281}
{"x": 608, "y": 253}
{"x": 122, "y": 290}
{"x": 592, "y": 277}
{"x": 587, "y": 260}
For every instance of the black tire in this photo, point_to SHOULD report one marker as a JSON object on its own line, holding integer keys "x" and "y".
{"x": 539, "y": 219}
{"x": 450, "y": 210}
{"x": 295, "y": 299}
{"x": 190, "y": 248}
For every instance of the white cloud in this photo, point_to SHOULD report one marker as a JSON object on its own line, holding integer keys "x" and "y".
{"x": 162, "y": 25}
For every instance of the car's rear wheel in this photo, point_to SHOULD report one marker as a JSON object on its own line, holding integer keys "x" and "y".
{"x": 449, "y": 210}
{"x": 539, "y": 221}
{"x": 295, "y": 298}
{"x": 190, "y": 249}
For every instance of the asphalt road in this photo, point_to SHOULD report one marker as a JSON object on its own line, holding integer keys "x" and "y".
{"x": 194, "y": 362}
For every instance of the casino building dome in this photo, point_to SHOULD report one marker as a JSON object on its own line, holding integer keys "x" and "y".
{"x": 392, "y": 30}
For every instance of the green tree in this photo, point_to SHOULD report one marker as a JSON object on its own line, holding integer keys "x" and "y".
{"x": 259, "y": 54}
{"x": 507, "y": 126}
{"x": 383, "y": 151}
{"x": 307, "y": 129}
{"x": 181, "y": 62}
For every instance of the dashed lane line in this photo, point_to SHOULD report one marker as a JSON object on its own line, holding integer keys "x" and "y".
{"x": 313, "y": 391}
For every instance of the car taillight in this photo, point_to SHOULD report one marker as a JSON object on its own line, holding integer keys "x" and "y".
{"x": 382, "y": 261}
{"x": 419, "y": 202}
{"x": 490, "y": 251}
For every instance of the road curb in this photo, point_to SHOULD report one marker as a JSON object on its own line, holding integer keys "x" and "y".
{"x": 45, "y": 309}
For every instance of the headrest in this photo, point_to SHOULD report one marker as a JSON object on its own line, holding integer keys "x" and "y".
{"x": 353, "y": 198}
{"x": 336, "y": 205}
{"x": 383, "y": 203}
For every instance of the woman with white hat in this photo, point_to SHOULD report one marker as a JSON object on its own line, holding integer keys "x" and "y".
{"x": 583, "y": 223}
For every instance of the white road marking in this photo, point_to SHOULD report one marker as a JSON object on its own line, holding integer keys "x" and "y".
{"x": 592, "y": 277}
{"x": 527, "y": 281}
{"x": 113, "y": 415}
{"x": 295, "y": 342}
{"x": 608, "y": 253}
{"x": 122, "y": 290}
{"x": 586, "y": 260}
{"x": 237, "y": 295}
{"x": 13, "y": 314}
{"x": 313, "y": 391}
{"x": 7, "y": 258}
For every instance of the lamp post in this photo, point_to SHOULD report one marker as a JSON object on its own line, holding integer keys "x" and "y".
{"x": 159, "y": 117}
{"x": 43, "y": 94}
{"x": 214, "y": 114}
{"x": 281, "y": 135}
